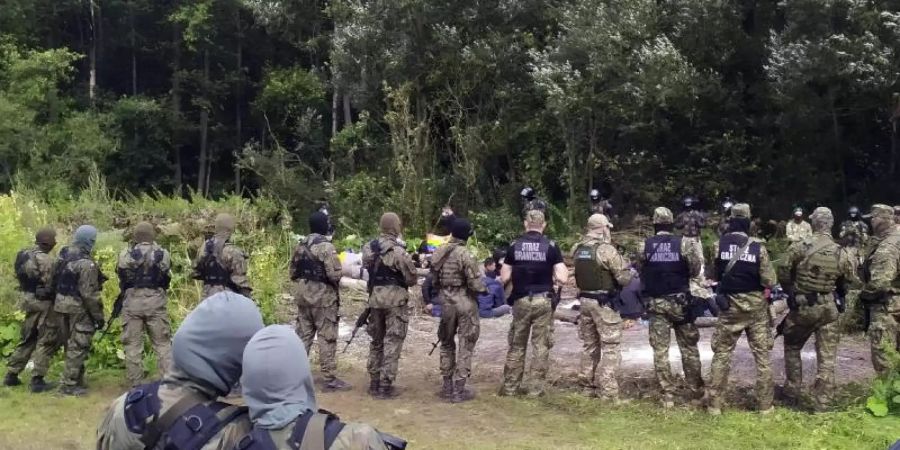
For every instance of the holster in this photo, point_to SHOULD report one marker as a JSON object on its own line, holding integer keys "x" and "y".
{"x": 607, "y": 299}
{"x": 792, "y": 302}
{"x": 723, "y": 302}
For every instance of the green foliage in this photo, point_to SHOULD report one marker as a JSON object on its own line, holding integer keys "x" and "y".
{"x": 10, "y": 332}
{"x": 885, "y": 397}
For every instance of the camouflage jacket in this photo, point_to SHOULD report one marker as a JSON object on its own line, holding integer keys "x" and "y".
{"x": 88, "y": 286}
{"x": 609, "y": 258}
{"x": 138, "y": 300}
{"x": 854, "y": 233}
{"x": 534, "y": 205}
{"x": 316, "y": 294}
{"x": 233, "y": 260}
{"x": 796, "y": 232}
{"x": 880, "y": 269}
{"x": 751, "y": 302}
{"x": 352, "y": 436}
{"x": 456, "y": 273}
{"x": 690, "y": 223}
{"x": 797, "y": 269}
{"x": 602, "y": 207}
{"x": 689, "y": 252}
{"x": 397, "y": 259}
{"x": 40, "y": 266}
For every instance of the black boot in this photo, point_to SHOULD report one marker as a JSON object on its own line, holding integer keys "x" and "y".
{"x": 447, "y": 390}
{"x": 386, "y": 391}
{"x": 38, "y": 384}
{"x": 374, "y": 387}
{"x": 11, "y": 379}
{"x": 460, "y": 393}
{"x": 337, "y": 384}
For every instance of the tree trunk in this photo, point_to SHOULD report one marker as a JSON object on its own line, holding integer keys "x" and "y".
{"x": 133, "y": 39}
{"x": 348, "y": 117}
{"x": 92, "y": 54}
{"x": 204, "y": 129}
{"x": 335, "y": 99}
{"x": 238, "y": 99}
{"x": 176, "y": 107}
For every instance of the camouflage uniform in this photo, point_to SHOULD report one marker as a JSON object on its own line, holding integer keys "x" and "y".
{"x": 80, "y": 310}
{"x": 602, "y": 206}
{"x": 748, "y": 313}
{"x": 797, "y": 231}
{"x": 144, "y": 272}
{"x": 600, "y": 326}
{"x": 816, "y": 264}
{"x": 534, "y": 205}
{"x": 855, "y": 233}
{"x": 219, "y": 253}
{"x": 389, "y": 317}
{"x": 691, "y": 223}
{"x": 318, "y": 301}
{"x": 881, "y": 289}
{"x": 37, "y": 306}
{"x": 672, "y": 313}
{"x": 457, "y": 276}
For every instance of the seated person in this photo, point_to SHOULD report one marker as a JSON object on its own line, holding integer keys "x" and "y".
{"x": 492, "y": 303}
{"x": 431, "y": 296}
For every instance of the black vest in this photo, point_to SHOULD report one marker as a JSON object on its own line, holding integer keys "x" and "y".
{"x": 381, "y": 275}
{"x": 744, "y": 276}
{"x": 212, "y": 272}
{"x": 531, "y": 273}
{"x": 305, "y": 266}
{"x": 66, "y": 278}
{"x": 26, "y": 283}
{"x": 665, "y": 270}
{"x": 148, "y": 275}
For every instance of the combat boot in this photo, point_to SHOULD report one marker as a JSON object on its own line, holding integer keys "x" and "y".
{"x": 12, "y": 379}
{"x": 38, "y": 385}
{"x": 460, "y": 393}
{"x": 447, "y": 389}
{"x": 73, "y": 391}
{"x": 386, "y": 391}
{"x": 337, "y": 384}
{"x": 374, "y": 387}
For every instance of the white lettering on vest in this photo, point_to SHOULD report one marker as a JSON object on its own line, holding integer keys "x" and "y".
{"x": 663, "y": 253}
{"x": 531, "y": 251}
{"x": 746, "y": 257}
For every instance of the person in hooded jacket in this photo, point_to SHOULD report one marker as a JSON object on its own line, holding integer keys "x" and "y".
{"x": 181, "y": 411}
{"x": 282, "y": 400}
{"x": 221, "y": 265}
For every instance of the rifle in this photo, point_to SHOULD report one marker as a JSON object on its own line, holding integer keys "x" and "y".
{"x": 360, "y": 322}
{"x": 116, "y": 311}
{"x": 555, "y": 299}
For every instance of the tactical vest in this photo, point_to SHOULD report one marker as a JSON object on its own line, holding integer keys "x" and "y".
{"x": 589, "y": 274}
{"x": 66, "y": 278}
{"x": 665, "y": 270}
{"x": 190, "y": 430}
{"x": 26, "y": 282}
{"x": 531, "y": 273}
{"x": 329, "y": 428}
{"x": 819, "y": 270}
{"x": 744, "y": 276}
{"x": 147, "y": 275}
{"x": 448, "y": 276}
{"x": 305, "y": 266}
{"x": 212, "y": 272}
{"x": 381, "y": 275}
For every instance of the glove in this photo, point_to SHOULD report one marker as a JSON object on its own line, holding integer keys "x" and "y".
{"x": 99, "y": 324}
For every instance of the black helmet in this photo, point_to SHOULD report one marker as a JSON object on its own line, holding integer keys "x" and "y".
{"x": 853, "y": 212}
{"x": 595, "y": 195}
{"x": 527, "y": 193}
{"x": 689, "y": 201}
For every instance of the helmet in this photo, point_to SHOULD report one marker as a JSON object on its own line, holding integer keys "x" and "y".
{"x": 595, "y": 195}
{"x": 689, "y": 201}
{"x": 798, "y": 212}
{"x": 727, "y": 204}
{"x": 853, "y": 212}
{"x": 527, "y": 193}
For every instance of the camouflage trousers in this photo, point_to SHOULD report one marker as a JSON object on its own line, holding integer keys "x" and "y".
{"x": 600, "y": 328}
{"x": 459, "y": 317}
{"x": 532, "y": 317}
{"x": 50, "y": 340}
{"x": 884, "y": 332}
{"x": 387, "y": 327}
{"x": 799, "y": 325}
{"x": 33, "y": 328}
{"x": 667, "y": 315}
{"x": 730, "y": 326}
{"x": 321, "y": 324}
{"x": 160, "y": 331}
{"x": 696, "y": 284}
{"x": 76, "y": 330}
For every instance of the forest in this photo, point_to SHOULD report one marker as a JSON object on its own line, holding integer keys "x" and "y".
{"x": 409, "y": 104}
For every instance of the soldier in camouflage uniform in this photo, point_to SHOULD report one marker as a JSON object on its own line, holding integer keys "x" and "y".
{"x": 532, "y": 264}
{"x": 144, "y": 277}
{"x": 316, "y": 270}
{"x": 600, "y": 205}
{"x": 221, "y": 265}
{"x": 798, "y": 229}
{"x": 530, "y": 201}
{"x": 881, "y": 286}
{"x": 854, "y": 231}
{"x": 600, "y": 273}
{"x": 818, "y": 268}
{"x": 391, "y": 273}
{"x": 34, "y": 269}
{"x": 690, "y": 224}
{"x": 458, "y": 278}
{"x": 744, "y": 308}
{"x": 79, "y": 306}
{"x": 668, "y": 263}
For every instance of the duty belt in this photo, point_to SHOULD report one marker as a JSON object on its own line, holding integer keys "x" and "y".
{"x": 680, "y": 298}
{"x": 812, "y": 298}
{"x": 600, "y": 296}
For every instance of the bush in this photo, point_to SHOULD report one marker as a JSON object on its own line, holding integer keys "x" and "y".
{"x": 885, "y": 398}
